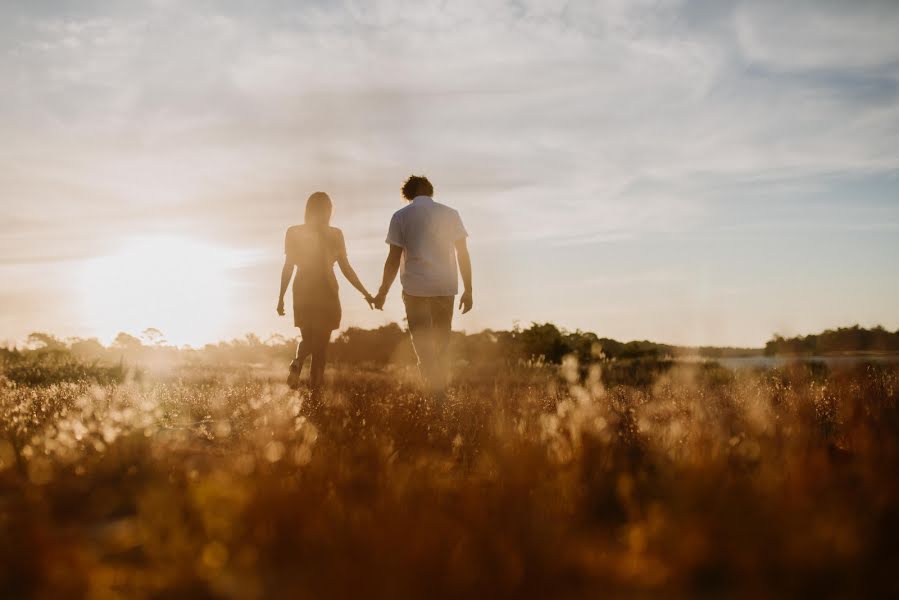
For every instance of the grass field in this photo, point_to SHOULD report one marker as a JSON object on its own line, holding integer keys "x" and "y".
{"x": 530, "y": 482}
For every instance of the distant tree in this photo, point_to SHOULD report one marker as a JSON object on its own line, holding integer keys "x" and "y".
{"x": 45, "y": 341}
{"x": 125, "y": 341}
{"x": 87, "y": 348}
{"x": 153, "y": 336}
{"x": 380, "y": 346}
{"x": 484, "y": 348}
{"x": 844, "y": 339}
{"x": 543, "y": 341}
{"x": 276, "y": 339}
{"x": 585, "y": 345}
{"x": 251, "y": 339}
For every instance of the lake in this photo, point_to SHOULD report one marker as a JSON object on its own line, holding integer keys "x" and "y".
{"x": 752, "y": 362}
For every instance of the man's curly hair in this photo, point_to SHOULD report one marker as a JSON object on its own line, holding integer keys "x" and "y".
{"x": 417, "y": 185}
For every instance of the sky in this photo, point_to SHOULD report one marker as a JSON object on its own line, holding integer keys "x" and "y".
{"x": 692, "y": 172}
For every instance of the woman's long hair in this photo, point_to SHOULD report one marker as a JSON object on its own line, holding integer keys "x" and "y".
{"x": 318, "y": 210}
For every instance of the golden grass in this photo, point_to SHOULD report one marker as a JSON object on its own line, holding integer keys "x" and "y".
{"x": 524, "y": 483}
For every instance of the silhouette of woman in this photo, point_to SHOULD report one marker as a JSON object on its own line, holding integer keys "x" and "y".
{"x": 313, "y": 248}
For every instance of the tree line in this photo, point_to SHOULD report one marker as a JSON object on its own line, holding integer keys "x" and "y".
{"x": 46, "y": 356}
{"x": 841, "y": 340}
{"x": 543, "y": 343}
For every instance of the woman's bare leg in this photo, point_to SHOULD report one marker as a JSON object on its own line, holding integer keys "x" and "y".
{"x": 320, "y": 343}
{"x": 304, "y": 349}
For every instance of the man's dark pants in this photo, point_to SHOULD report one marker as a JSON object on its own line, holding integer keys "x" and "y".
{"x": 430, "y": 321}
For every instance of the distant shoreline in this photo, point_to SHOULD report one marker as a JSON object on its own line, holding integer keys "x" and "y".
{"x": 844, "y": 359}
{"x": 837, "y": 354}
{"x": 760, "y": 353}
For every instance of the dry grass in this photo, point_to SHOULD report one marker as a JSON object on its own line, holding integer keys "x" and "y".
{"x": 525, "y": 483}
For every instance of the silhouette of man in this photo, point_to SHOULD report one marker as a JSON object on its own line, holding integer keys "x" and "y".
{"x": 425, "y": 239}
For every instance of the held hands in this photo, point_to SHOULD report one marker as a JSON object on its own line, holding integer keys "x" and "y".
{"x": 280, "y": 308}
{"x": 369, "y": 299}
{"x": 380, "y": 299}
{"x": 466, "y": 302}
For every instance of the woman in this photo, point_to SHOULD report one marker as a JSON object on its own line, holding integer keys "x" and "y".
{"x": 313, "y": 248}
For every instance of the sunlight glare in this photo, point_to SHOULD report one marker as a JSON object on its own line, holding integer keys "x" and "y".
{"x": 180, "y": 286}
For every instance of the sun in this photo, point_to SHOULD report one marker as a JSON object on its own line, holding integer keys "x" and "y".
{"x": 181, "y": 286}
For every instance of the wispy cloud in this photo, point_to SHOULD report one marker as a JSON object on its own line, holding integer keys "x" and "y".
{"x": 568, "y": 124}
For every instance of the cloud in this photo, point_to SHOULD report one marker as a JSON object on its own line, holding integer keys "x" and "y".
{"x": 815, "y": 34}
{"x": 562, "y": 124}
{"x": 648, "y": 278}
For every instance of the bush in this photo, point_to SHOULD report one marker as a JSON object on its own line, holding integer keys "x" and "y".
{"x": 49, "y": 366}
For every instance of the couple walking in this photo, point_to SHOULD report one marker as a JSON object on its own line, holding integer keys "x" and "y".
{"x": 425, "y": 239}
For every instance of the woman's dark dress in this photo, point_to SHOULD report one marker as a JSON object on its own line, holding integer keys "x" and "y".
{"x": 314, "y": 250}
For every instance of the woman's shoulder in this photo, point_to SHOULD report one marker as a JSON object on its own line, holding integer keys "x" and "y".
{"x": 301, "y": 231}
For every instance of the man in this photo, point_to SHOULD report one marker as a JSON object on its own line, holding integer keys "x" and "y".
{"x": 425, "y": 239}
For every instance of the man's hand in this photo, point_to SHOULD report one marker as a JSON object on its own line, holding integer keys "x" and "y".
{"x": 280, "y": 308}
{"x": 391, "y": 267}
{"x": 466, "y": 302}
{"x": 379, "y": 300}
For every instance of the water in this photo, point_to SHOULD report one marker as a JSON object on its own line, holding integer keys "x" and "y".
{"x": 752, "y": 362}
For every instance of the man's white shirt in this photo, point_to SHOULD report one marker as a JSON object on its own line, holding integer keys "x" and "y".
{"x": 427, "y": 231}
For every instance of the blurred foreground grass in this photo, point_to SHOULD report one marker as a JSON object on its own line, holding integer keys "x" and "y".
{"x": 688, "y": 481}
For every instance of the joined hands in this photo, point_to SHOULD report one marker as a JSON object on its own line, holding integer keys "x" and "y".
{"x": 379, "y": 300}
{"x": 375, "y": 302}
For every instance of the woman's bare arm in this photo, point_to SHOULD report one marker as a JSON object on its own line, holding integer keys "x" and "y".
{"x": 286, "y": 275}
{"x": 344, "y": 263}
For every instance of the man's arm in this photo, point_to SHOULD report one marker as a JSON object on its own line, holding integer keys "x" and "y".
{"x": 391, "y": 266}
{"x": 466, "y": 301}
{"x": 286, "y": 274}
